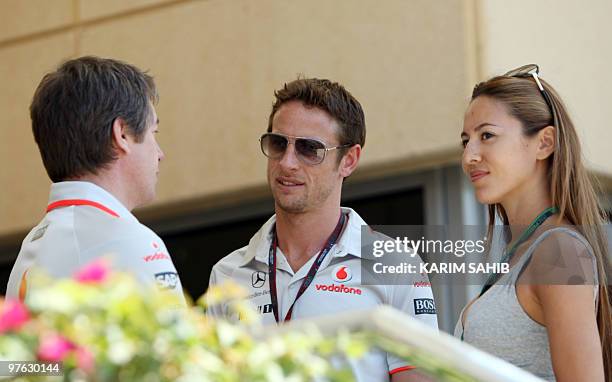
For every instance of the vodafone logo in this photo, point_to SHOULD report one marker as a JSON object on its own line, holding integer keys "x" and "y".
{"x": 156, "y": 256}
{"x": 337, "y": 289}
{"x": 342, "y": 274}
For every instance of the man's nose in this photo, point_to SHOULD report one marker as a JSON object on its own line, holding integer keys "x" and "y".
{"x": 289, "y": 158}
{"x": 160, "y": 153}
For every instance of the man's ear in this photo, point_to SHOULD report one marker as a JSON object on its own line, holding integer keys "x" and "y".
{"x": 547, "y": 138}
{"x": 350, "y": 160}
{"x": 121, "y": 141}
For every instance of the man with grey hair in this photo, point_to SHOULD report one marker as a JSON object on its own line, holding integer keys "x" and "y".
{"x": 94, "y": 122}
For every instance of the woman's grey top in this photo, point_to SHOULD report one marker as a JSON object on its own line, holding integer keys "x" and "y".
{"x": 496, "y": 322}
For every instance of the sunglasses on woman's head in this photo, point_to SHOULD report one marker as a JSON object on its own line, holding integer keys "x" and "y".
{"x": 533, "y": 71}
{"x": 309, "y": 150}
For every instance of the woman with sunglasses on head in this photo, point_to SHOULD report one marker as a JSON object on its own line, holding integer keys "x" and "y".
{"x": 522, "y": 154}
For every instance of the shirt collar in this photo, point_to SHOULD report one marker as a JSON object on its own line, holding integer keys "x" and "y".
{"x": 348, "y": 244}
{"x": 88, "y": 191}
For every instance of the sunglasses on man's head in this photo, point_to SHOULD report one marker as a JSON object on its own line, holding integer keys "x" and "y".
{"x": 309, "y": 150}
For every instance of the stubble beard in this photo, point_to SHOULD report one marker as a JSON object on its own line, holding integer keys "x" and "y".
{"x": 304, "y": 202}
{"x": 291, "y": 205}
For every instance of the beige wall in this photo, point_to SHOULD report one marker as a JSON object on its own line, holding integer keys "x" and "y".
{"x": 23, "y": 180}
{"x": 217, "y": 62}
{"x": 572, "y": 43}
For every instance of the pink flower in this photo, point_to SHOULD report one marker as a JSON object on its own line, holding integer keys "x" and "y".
{"x": 95, "y": 272}
{"x": 54, "y": 348}
{"x": 13, "y": 314}
{"x": 85, "y": 360}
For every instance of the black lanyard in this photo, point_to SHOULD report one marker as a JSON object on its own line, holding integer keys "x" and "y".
{"x": 541, "y": 218}
{"x": 311, "y": 273}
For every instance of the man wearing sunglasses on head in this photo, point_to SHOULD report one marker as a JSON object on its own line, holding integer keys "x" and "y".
{"x": 305, "y": 261}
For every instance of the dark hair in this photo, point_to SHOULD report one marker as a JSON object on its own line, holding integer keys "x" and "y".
{"x": 331, "y": 97}
{"x": 571, "y": 187}
{"x": 74, "y": 108}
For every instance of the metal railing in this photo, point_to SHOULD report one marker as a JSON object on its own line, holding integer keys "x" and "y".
{"x": 395, "y": 326}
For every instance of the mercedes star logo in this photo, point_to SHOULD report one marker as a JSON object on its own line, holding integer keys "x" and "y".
{"x": 258, "y": 279}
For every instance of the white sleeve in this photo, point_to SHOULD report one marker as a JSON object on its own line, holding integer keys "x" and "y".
{"x": 415, "y": 299}
{"x": 214, "y": 309}
{"x": 144, "y": 257}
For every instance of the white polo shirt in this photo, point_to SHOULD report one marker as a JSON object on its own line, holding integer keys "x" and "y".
{"x": 335, "y": 288}
{"x": 85, "y": 222}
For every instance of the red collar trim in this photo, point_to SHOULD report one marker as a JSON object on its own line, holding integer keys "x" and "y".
{"x": 80, "y": 202}
{"x": 400, "y": 369}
